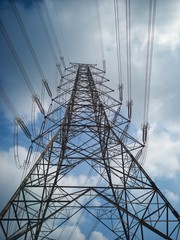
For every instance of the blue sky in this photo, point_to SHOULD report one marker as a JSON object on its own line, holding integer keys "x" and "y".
{"x": 76, "y": 27}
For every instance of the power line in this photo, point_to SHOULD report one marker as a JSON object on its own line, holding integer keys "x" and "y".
{"x": 54, "y": 33}
{"x": 8, "y": 103}
{"x": 118, "y": 49}
{"x": 20, "y": 66}
{"x": 48, "y": 38}
{"x": 128, "y": 53}
{"x": 28, "y": 41}
{"x": 16, "y": 57}
{"x": 100, "y": 34}
{"x": 60, "y": 21}
{"x": 91, "y": 30}
{"x": 25, "y": 34}
{"x": 150, "y": 43}
{"x": 46, "y": 31}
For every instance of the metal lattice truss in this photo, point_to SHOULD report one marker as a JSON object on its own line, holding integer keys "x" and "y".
{"x": 89, "y": 172}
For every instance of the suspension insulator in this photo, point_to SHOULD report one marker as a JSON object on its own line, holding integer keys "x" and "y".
{"x": 45, "y": 82}
{"x": 23, "y": 127}
{"x": 59, "y": 69}
{"x": 36, "y": 99}
{"x": 28, "y": 156}
{"x": 129, "y": 105}
{"x": 104, "y": 65}
{"x": 145, "y": 129}
{"x": 63, "y": 62}
{"x": 121, "y": 93}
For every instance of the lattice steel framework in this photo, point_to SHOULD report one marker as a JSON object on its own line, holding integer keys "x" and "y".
{"x": 89, "y": 174}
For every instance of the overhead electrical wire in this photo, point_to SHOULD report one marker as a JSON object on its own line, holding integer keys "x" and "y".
{"x": 100, "y": 34}
{"x": 150, "y": 43}
{"x": 28, "y": 41}
{"x": 8, "y": 103}
{"x": 25, "y": 34}
{"x": 118, "y": 49}
{"x": 60, "y": 21}
{"x": 91, "y": 31}
{"x": 20, "y": 66}
{"x": 128, "y": 53}
{"x": 46, "y": 31}
{"x": 54, "y": 33}
{"x": 16, "y": 57}
{"x": 48, "y": 38}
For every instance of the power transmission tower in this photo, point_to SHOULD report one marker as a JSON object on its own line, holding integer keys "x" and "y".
{"x": 88, "y": 173}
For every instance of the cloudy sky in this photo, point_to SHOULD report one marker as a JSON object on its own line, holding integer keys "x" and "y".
{"x": 76, "y": 26}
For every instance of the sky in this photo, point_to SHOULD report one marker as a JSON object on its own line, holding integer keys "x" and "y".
{"x": 76, "y": 26}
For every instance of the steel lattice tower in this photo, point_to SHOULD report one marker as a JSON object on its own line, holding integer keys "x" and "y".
{"x": 84, "y": 134}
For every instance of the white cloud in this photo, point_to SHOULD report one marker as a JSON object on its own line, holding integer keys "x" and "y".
{"x": 97, "y": 236}
{"x": 168, "y": 22}
{"x": 173, "y": 197}
{"x": 10, "y": 176}
{"x": 81, "y": 180}
{"x": 163, "y": 159}
{"x": 66, "y": 231}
